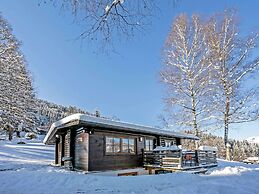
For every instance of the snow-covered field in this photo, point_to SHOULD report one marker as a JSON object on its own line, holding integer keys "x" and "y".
{"x": 25, "y": 168}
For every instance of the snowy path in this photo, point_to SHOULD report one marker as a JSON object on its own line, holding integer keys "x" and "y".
{"x": 25, "y": 169}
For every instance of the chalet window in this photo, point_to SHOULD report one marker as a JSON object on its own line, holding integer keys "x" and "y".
{"x": 148, "y": 144}
{"x": 113, "y": 145}
{"x": 169, "y": 143}
{"x": 120, "y": 145}
{"x": 128, "y": 145}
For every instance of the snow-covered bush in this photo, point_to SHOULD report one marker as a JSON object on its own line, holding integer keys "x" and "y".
{"x": 21, "y": 142}
{"x": 30, "y": 135}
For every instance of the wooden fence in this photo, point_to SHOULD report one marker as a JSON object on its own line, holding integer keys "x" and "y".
{"x": 179, "y": 159}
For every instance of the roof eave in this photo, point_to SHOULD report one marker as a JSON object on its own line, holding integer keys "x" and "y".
{"x": 82, "y": 119}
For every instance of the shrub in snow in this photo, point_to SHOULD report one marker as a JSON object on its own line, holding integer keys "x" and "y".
{"x": 30, "y": 135}
{"x": 21, "y": 142}
{"x": 10, "y": 129}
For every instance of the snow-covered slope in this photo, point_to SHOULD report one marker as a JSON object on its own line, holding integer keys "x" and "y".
{"x": 33, "y": 154}
{"x": 253, "y": 139}
{"x": 25, "y": 168}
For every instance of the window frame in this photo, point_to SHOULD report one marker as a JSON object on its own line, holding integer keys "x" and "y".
{"x": 150, "y": 142}
{"x": 171, "y": 142}
{"x": 128, "y": 139}
{"x": 112, "y": 144}
{"x": 120, "y": 145}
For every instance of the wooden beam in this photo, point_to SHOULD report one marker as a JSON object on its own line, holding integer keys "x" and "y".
{"x": 56, "y": 150}
{"x": 62, "y": 148}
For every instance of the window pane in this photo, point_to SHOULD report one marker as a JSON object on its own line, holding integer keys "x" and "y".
{"x": 131, "y": 145}
{"x": 116, "y": 145}
{"x": 109, "y": 144}
{"x": 125, "y": 145}
{"x": 131, "y": 142}
{"x": 147, "y": 145}
{"x": 151, "y": 144}
{"x": 167, "y": 143}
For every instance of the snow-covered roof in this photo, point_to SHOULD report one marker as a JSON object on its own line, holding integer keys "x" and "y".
{"x": 108, "y": 123}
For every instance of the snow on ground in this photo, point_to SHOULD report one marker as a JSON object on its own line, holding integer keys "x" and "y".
{"x": 25, "y": 168}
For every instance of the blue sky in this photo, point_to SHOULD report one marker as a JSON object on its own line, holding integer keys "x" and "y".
{"x": 125, "y": 85}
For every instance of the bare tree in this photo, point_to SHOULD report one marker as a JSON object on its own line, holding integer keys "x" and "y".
{"x": 234, "y": 61}
{"x": 187, "y": 73}
{"x": 107, "y": 20}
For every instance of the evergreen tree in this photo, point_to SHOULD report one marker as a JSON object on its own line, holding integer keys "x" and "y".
{"x": 17, "y": 102}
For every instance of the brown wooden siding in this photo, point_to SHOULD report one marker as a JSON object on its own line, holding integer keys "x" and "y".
{"x": 67, "y": 147}
{"x": 67, "y": 144}
{"x": 56, "y": 151}
{"x": 88, "y": 150}
{"x": 81, "y": 151}
{"x": 60, "y": 151}
{"x": 99, "y": 160}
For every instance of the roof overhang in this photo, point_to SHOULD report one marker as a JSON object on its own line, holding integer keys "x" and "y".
{"x": 86, "y": 120}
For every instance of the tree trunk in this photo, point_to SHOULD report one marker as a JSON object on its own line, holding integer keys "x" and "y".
{"x": 226, "y": 132}
{"x": 10, "y": 135}
{"x": 18, "y": 134}
{"x": 196, "y": 129}
{"x": 226, "y": 120}
{"x": 195, "y": 125}
{"x": 226, "y": 125}
{"x": 194, "y": 113}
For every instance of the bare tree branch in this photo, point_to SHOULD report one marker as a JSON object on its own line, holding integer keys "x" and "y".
{"x": 106, "y": 21}
{"x": 187, "y": 73}
{"x": 233, "y": 58}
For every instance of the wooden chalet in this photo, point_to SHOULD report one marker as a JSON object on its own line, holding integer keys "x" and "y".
{"x": 89, "y": 143}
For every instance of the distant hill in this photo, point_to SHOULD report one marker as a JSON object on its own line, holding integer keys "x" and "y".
{"x": 48, "y": 112}
{"x": 42, "y": 116}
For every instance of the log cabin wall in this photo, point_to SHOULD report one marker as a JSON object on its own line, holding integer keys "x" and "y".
{"x": 62, "y": 149}
{"x": 81, "y": 151}
{"x": 89, "y": 150}
{"x": 59, "y": 150}
{"x": 99, "y": 159}
{"x": 67, "y": 140}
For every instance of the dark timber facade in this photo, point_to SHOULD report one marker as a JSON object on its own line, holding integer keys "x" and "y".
{"x": 95, "y": 144}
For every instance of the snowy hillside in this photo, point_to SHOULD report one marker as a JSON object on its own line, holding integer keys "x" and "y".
{"x": 253, "y": 139}
{"x": 48, "y": 112}
{"x": 22, "y": 156}
{"x": 25, "y": 168}
{"x": 44, "y": 114}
